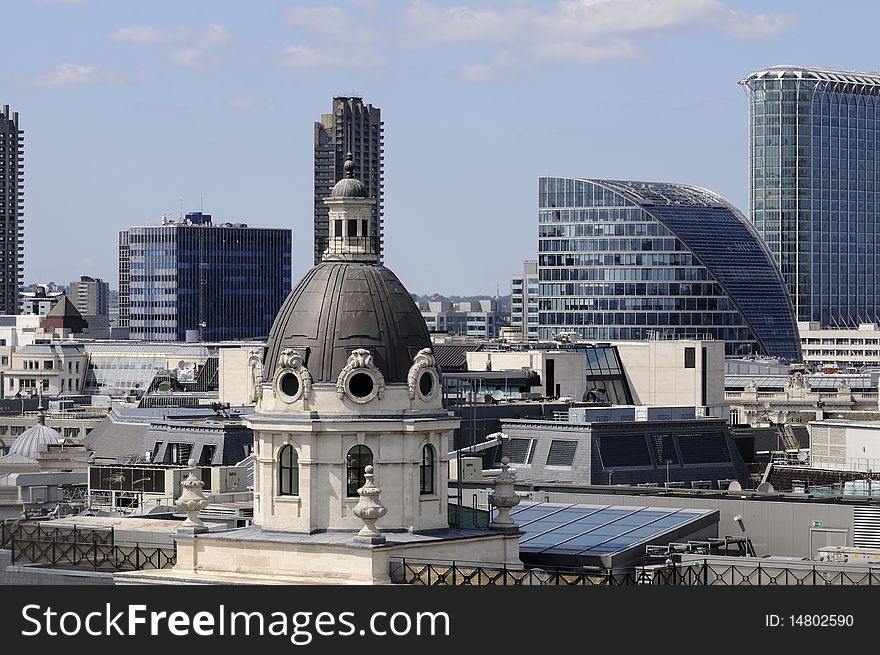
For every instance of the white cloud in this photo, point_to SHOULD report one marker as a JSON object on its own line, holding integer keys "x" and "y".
{"x": 212, "y": 36}
{"x": 503, "y": 62}
{"x": 478, "y": 72}
{"x": 144, "y": 34}
{"x": 591, "y": 17}
{"x": 193, "y": 46}
{"x": 306, "y": 56}
{"x": 581, "y": 30}
{"x": 462, "y": 23}
{"x": 66, "y": 74}
{"x": 528, "y": 30}
{"x": 330, "y": 20}
{"x": 574, "y": 51}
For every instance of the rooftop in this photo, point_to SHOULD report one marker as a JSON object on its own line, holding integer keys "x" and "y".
{"x": 788, "y": 71}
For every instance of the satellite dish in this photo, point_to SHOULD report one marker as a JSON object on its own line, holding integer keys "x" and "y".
{"x": 802, "y": 456}
{"x": 181, "y": 364}
{"x": 734, "y": 486}
{"x": 498, "y": 394}
{"x": 765, "y": 488}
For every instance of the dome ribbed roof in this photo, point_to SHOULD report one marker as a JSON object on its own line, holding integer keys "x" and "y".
{"x": 339, "y": 306}
{"x": 349, "y": 186}
{"x": 33, "y": 440}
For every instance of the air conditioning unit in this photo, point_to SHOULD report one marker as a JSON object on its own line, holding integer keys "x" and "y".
{"x": 471, "y": 469}
{"x": 228, "y": 479}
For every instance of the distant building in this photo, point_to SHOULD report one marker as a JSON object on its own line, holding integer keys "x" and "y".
{"x": 354, "y": 127}
{"x": 660, "y": 446}
{"x": 813, "y": 161}
{"x": 475, "y": 319}
{"x": 92, "y": 299}
{"x": 39, "y": 301}
{"x": 840, "y": 350}
{"x": 198, "y": 281}
{"x": 47, "y": 369}
{"x": 11, "y": 210}
{"x": 621, "y": 261}
{"x": 524, "y": 301}
{"x": 63, "y": 319}
{"x": 845, "y": 446}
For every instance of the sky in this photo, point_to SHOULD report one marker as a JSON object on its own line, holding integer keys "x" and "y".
{"x": 132, "y": 110}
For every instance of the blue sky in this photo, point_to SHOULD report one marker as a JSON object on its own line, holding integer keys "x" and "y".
{"x": 131, "y": 107}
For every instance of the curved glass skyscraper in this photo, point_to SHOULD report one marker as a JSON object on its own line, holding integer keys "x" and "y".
{"x": 814, "y": 139}
{"x": 618, "y": 260}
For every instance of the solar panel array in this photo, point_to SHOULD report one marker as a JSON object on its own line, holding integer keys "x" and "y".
{"x": 584, "y": 530}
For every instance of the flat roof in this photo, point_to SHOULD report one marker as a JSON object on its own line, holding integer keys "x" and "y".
{"x": 601, "y": 535}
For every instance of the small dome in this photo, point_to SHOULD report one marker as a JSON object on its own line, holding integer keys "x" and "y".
{"x": 339, "y": 306}
{"x": 35, "y": 439}
{"x": 349, "y": 186}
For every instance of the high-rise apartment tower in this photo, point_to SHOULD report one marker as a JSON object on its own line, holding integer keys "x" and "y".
{"x": 357, "y": 128}
{"x": 814, "y": 187}
{"x": 11, "y": 211}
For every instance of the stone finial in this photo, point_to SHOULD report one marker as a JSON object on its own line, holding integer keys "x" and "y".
{"x": 369, "y": 509}
{"x": 504, "y": 498}
{"x": 192, "y": 500}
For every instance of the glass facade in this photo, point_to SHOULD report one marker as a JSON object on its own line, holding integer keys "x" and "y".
{"x": 814, "y": 136}
{"x": 212, "y": 282}
{"x": 630, "y": 260}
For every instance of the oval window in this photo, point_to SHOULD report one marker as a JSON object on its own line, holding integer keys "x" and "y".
{"x": 289, "y": 384}
{"x": 360, "y": 385}
{"x": 426, "y": 384}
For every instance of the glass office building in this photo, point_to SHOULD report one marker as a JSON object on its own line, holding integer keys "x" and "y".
{"x": 198, "y": 281}
{"x": 813, "y": 194}
{"x": 624, "y": 261}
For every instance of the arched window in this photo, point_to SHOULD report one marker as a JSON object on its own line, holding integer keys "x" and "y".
{"x": 288, "y": 471}
{"x": 358, "y": 459}
{"x": 426, "y": 470}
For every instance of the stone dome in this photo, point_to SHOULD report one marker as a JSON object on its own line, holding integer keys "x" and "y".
{"x": 349, "y": 186}
{"x": 35, "y": 439}
{"x": 343, "y": 305}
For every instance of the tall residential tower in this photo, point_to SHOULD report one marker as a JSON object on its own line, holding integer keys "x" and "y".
{"x": 814, "y": 187}
{"x": 11, "y": 211}
{"x": 357, "y": 128}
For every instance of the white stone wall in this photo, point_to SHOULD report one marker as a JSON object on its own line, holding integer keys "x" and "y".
{"x": 234, "y": 376}
{"x": 657, "y": 375}
{"x": 322, "y": 447}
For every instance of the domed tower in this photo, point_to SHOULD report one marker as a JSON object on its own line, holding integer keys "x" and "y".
{"x": 347, "y": 380}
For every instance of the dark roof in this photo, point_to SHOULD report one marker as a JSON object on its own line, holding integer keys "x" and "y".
{"x": 781, "y": 477}
{"x": 765, "y": 438}
{"x": 453, "y": 357}
{"x": 64, "y": 309}
{"x": 112, "y": 438}
{"x": 340, "y": 306}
